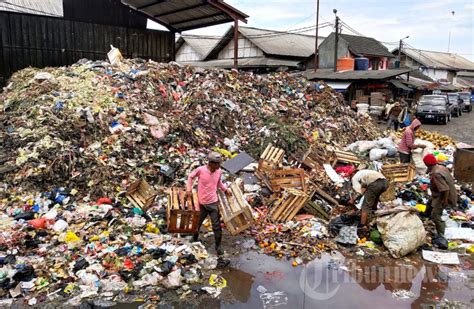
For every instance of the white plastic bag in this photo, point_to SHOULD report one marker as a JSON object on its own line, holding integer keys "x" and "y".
{"x": 419, "y": 153}
{"x": 401, "y": 229}
{"x": 114, "y": 55}
{"x": 377, "y": 154}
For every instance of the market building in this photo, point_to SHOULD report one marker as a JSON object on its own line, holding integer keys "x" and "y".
{"x": 351, "y": 48}
{"x": 439, "y": 66}
{"x": 259, "y": 50}
{"x": 194, "y": 48}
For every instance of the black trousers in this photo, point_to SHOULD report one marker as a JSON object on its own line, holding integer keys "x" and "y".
{"x": 404, "y": 158}
{"x": 213, "y": 211}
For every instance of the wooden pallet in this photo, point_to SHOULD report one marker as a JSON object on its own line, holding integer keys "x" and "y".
{"x": 141, "y": 194}
{"x": 403, "y": 172}
{"x": 271, "y": 158}
{"x": 235, "y": 211}
{"x": 288, "y": 178}
{"x": 288, "y": 206}
{"x": 316, "y": 210}
{"x": 345, "y": 157}
{"x": 182, "y": 214}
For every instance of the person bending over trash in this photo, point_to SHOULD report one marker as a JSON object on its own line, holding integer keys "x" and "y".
{"x": 371, "y": 184}
{"x": 443, "y": 191}
{"x": 209, "y": 180}
{"x": 407, "y": 144}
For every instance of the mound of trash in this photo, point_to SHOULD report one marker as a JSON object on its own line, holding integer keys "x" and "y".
{"x": 93, "y": 126}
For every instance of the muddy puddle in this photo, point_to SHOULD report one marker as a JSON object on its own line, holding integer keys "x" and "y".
{"x": 338, "y": 281}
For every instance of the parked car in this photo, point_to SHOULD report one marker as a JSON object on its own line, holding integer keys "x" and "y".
{"x": 434, "y": 107}
{"x": 466, "y": 97}
{"x": 458, "y": 104}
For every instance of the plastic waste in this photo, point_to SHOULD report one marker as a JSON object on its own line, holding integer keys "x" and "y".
{"x": 60, "y": 225}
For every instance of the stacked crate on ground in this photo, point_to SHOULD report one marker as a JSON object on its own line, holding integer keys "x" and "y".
{"x": 288, "y": 178}
{"x": 182, "y": 212}
{"x": 345, "y": 157}
{"x": 141, "y": 194}
{"x": 271, "y": 158}
{"x": 377, "y": 99}
{"x": 288, "y": 206}
{"x": 359, "y": 93}
{"x": 403, "y": 172}
{"x": 235, "y": 210}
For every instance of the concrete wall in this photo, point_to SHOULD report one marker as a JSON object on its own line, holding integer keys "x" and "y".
{"x": 246, "y": 49}
{"x": 326, "y": 52}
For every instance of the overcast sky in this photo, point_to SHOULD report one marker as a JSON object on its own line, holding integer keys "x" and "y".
{"x": 427, "y": 22}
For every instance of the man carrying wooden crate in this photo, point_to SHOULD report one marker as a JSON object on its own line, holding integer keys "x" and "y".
{"x": 371, "y": 184}
{"x": 209, "y": 180}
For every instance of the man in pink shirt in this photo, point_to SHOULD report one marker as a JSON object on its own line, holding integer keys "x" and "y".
{"x": 209, "y": 179}
{"x": 407, "y": 144}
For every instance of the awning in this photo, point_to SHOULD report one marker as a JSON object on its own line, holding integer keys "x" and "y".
{"x": 400, "y": 85}
{"x": 339, "y": 85}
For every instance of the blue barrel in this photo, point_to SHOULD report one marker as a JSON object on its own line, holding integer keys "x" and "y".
{"x": 361, "y": 64}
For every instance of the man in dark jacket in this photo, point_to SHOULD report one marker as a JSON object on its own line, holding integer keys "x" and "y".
{"x": 443, "y": 191}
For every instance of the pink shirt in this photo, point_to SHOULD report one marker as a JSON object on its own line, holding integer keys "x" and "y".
{"x": 207, "y": 184}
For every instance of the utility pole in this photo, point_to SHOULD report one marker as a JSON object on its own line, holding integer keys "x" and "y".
{"x": 316, "y": 51}
{"x": 400, "y": 46}
{"x": 236, "y": 44}
{"x": 400, "y": 50}
{"x": 336, "y": 40}
{"x": 450, "y": 28}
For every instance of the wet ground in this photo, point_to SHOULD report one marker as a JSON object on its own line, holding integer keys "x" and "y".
{"x": 337, "y": 280}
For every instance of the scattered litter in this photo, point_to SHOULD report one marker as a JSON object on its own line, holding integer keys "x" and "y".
{"x": 450, "y": 258}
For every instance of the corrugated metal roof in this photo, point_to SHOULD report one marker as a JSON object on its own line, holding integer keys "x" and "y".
{"x": 272, "y": 42}
{"x": 181, "y": 15}
{"x": 466, "y": 73}
{"x": 281, "y": 43}
{"x": 465, "y": 82}
{"x": 439, "y": 60}
{"x": 244, "y": 63}
{"x": 400, "y": 85}
{"x": 354, "y": 75}
{"x": 36, "y": 7}
{"x": 365, "y": 46}
{"x": 202, "y": 45}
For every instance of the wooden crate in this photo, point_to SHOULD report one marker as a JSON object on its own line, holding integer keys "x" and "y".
{"x": 141, "y": 194}
{"x": 315, "y": 157}
{"x": 288, "y": 178}
{"x": 182, "y": 214}
{"x": 235, "y": 211}
{"x": 271, "y": 158}
{"x": 345, "y": 157}
{"x": 288, "y": 206}
{"x": 403, "y": 172}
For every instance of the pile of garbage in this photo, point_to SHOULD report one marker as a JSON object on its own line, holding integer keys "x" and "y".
{"x": 56, "y": 248}
{"x": 93, "y": 126}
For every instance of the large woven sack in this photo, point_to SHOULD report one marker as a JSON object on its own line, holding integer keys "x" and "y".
{"x": 401, "y": 229}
